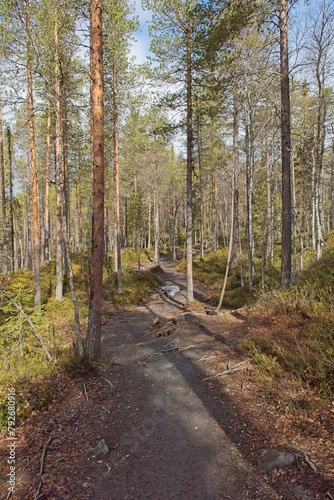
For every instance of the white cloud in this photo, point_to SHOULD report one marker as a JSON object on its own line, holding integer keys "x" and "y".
{"x": 140, "y": 49}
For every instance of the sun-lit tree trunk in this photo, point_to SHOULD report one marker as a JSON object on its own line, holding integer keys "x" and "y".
{"x": 33, "y": 162}
{"x": 270, "y": 211}
{"x": 235, "y": 193}
{"x": 249, "y": 197}
{"x": 293, "y": 217}
{"x": 156, "y": 216}
{"x": 46, "y": 240}
{"x": 189, "y": 212}
{"x": 3, "y": 201}
{"x": 213, "y": 210}
{"x": 201, "y": 189}
{"x": 331, "y": 197}
{"x": 149, "y": 221}
{"x": 117, "y": 222}
{"x": 13, "y": 246}
{"x": 285, "y": 145}
{"x": 59, "y": 174}
{"x": 93, "y": 345}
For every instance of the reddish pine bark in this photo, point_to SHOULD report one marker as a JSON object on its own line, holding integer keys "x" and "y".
{"x": 93, "y": 345}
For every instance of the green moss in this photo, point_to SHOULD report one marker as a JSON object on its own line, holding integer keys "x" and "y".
{"x": 135, "y": 286}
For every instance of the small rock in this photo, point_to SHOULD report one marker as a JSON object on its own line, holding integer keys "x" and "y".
{"x": 155, "y": 321}
{"x": 101, "y": 448}
{"x": 275, "y": 459}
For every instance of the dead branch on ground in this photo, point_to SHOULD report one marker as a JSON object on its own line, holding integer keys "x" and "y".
{"x": 45, "y": 449}
{"x": 228, "y": 371}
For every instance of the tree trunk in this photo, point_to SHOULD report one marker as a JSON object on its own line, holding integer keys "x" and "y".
{"x": 331, "y": 197}
{"x": 149, "y": 218}
{"x": 249, "y": 201}
{"x": 14, "y": 257}
{"x": 235, "y": 184}
{"x": 156, "y": 216}
{"x": 213, "y": 211}
{"x": 46, "y": 247}
{"x": 3, "y": 201}
{"x": 270, "y": 212}
{"x": 33, "y": 163}
{"x": 59, "y": 175}
{"x": 97, "y": 106}
{"x": 201, "y": 187}
{"x": 117, "y": 224}
{"x": 189, "y": 212}
{"x": 285, "y": 145}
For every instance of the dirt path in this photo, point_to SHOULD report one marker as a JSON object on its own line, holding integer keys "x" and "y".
{"x": 166, "y": 439}
{"x": 171, "y": 429}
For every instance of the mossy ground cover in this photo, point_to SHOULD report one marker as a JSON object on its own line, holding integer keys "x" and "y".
{"x": 293, "y": 342}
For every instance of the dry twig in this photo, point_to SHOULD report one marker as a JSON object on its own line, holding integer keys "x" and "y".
{"x": 86, "y": 394}
{"x": 229, "y": 370}
{"x": 111, "y": 385}
{"x": 45, "y": 449}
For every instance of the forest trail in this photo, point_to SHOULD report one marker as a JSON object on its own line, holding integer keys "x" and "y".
{"x": 172, "y": 431}
{"x": 167, "y": 432}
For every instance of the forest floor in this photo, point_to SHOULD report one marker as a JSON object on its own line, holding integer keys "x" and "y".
{"x": 171, "y": 428}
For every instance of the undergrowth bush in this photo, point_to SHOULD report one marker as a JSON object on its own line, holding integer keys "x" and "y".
{"x": 135, "y": 286}
{"x": 23, "y": 364}
{"x": 299, "y": 332}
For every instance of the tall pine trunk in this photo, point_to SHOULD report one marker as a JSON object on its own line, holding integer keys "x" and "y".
{"x": 189, "y": 211}
{"x": 117, "y": 223}
{"x": 235, "y": 183}
{"x": 33, "y": 163}
{"x": 285, "y": 146}
{"x": 59, "y": 175}
{"x": 156, "y": 216}
{"x": 46, "y": 246}
{"x": 93, "y": 345}
{"x": 3, "y": 201}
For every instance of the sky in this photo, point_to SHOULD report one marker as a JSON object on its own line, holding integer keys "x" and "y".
{"x": 141, "y": 46}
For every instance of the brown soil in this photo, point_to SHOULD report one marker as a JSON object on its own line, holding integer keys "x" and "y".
{"x": 174, "y": 429}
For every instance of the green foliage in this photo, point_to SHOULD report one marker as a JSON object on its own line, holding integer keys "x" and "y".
{"x": 299, "y": 325}
{"x": 268, "y": 368}
{"x": 211, "y": 271}
{"x": 135, "y": 286}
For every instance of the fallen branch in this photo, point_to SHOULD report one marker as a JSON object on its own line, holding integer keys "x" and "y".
{"x": 171, "y": 349}
{"x": 208, "y": 358}
{"x": 229, "y": 371}
{"x": 111, "y": 385}
{"x": 26, "y": 317}
{"x": 45, "y": 449}
{"x": 86, "y": 394}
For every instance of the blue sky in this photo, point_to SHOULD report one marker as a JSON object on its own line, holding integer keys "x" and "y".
{"x": 140, "y": 48}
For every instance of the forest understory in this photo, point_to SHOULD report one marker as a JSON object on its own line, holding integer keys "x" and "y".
{"x": 183, "y": 411}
